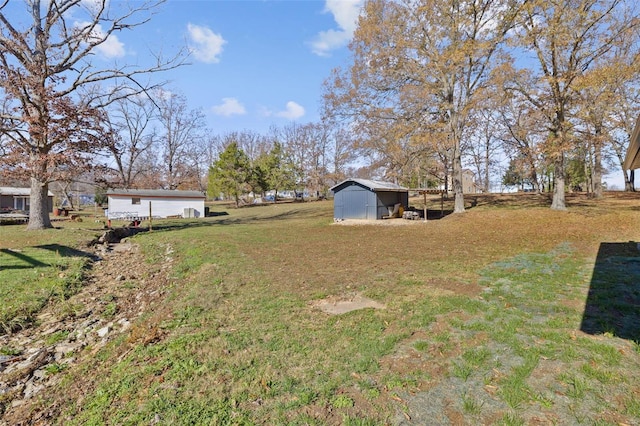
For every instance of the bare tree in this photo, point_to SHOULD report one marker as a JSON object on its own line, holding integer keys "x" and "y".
{"x": 342, "y": 151}
{"x": 522, "y": 138}
{"x": 593, "y": 111}
{"x": 153, "y": 176}
{"x": 251, "y": 143}
{"x": 624, "y": 119}
{"x": 483, "y": 139}
{"x": 134, "y": 136}
{"x": 181, "y": 135}
{"x": 318, "y": 135}
{"x": 52, "y": 91}
{"x": 566, "y": 38}
{"x": 620, "y": 76}
{"x": 212, "y": 146}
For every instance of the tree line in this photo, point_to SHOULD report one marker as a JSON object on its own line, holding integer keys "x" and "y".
{"x": 548, "y": 86}
{"x": 309, "y": 157}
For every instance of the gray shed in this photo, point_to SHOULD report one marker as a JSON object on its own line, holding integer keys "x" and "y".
{"x": 367, "y": 199}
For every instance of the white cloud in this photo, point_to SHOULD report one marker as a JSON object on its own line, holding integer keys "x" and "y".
{"x": 345, "y": 13}
{"x": 110, "y": 48}
{"x": 293, "y": 111}
{"x": 205, "y": 45}
{"x": 94, "y": 6}
{"x": 229, "y": 107}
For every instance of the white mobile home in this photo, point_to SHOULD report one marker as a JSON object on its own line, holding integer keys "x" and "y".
{"x": 142, "y": 203}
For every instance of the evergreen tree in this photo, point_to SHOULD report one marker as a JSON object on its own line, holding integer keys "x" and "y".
{"x": 230, "y": 173}
{"x": 513, "y": 176}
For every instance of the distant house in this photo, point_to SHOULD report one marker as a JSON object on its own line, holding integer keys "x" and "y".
{"x": 367, "y": 199}
{"x": 632, "y": 158}
{"x": 469, "y": 185}
{"x": 138, "y": 203}
{"x": 18, "y": 199}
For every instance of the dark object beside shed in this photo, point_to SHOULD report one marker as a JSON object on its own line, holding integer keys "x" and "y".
{"x": 367, "y": 199}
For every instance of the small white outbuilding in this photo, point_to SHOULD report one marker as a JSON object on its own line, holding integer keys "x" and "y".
{"x": 141, "y": 203}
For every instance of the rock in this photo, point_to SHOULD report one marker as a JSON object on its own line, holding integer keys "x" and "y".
{"x": 103, "y": 331}
{"x": 85, "y": 325}
{"x": 68, "y": 361}
{"x": 63, "y": 349}
{"x": 35, "y": 359}
{"x": 51, "y": 330}
{"x": 17, "y": 402}
{"x": 6, "y": 358}
{"x": 30, "y": 389}
{"x": 124, "y": 324}
{"x": 118, "y": 234}
{"x": 39, "y": 374}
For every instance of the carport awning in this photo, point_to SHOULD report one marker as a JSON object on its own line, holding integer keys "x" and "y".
{"x": 632, "y": 160}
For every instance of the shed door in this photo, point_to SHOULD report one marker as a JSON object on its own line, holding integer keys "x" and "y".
{"x": 355, "y": 205}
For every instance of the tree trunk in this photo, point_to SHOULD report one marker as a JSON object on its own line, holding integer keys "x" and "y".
{"x": 446, "y": 180}
{"x": 596, "y": 164}
{"x": 39, "y": 208}
{"x": 596, "y": 180}
{"x": 68, "y": 195}
{"x": 538, "y": 185}
{"x": 629, "y": 180}
{"x": 487, "y": 162}
{"x": 458, "y": 206}
{"x": 558, "y": 202}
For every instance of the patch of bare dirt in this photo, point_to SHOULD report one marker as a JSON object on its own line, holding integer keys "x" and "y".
{"x": 119, "y": 288}
{"x": 341, "y": 305}
{"x": 471, "y": 289}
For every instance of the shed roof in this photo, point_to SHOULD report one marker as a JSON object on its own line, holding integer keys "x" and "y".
{"x": 373, "y": 185}
{"x": 156, "y": 193}
{"x": 10, "y": 190}
{"x": 632, "y": 159}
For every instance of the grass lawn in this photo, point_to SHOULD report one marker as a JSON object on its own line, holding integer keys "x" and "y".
{"x": 38, "y": 267}
{"x": 508, "y": 314}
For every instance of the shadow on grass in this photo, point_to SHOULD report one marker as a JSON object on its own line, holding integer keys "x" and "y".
{"x": 433, "y": 214}
{"x": 216, "y": 214}
{"x": 525, "y": 199}
{"x": 301, "y": 213}
{"x": 27, "y": 261}
{"x": 223, "y": 218}
{"x": 613, "y": 302}
{"x": 65, "y": 251}
{"x": 575, "y": 201}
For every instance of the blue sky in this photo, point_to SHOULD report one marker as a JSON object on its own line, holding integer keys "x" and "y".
{"x": 253, "y": 63}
